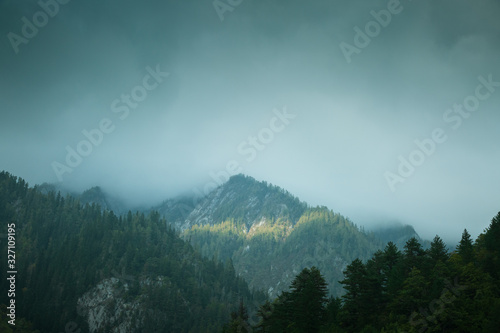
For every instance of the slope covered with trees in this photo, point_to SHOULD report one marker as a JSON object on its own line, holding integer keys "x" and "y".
{"x": 92, "y": 269}
{"x": 270, "y": 253}
{"x": 413, "y": 290}
{"x": 270, "y": 235}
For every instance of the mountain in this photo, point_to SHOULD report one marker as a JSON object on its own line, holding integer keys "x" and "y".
{"x": 269, "y": 235}
{"x": 399, "y": 234}
{"x": 93, "y": 195}
{"x": 87, "y": 269}
{"x": 264, "y": 232}
{"x": 241, "y": 198}
{"x": 81, "y": 267}
{"x": 245, "y": 216}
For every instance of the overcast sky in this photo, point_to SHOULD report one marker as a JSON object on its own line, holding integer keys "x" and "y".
{"x": 285, "y": 91}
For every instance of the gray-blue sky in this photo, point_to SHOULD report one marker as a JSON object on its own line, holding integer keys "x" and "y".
{"x": 353, "y": 120}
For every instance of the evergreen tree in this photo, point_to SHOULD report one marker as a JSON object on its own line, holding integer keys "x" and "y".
{"x": 412, "y": 295}
{"x": 392, "y": 270}
{"x": 413, "y": 255}
{"x": 356, "y": 301}
{"x": 239, "y": 321}
{"x": 489, "y": 248}
{"x": 303, "y": 309}
{"x": 465, "y": 248}
{"x": 438, "y": 251}
{"x": 308, "y": 300}
{"x": 281, "y": 316}
{"x": 265, "y": 312}
{"x": 332, "y": 310}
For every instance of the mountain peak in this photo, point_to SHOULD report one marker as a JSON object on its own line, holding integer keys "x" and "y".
{"x": 245, "y": 181}
{"x": 245, "y": 200}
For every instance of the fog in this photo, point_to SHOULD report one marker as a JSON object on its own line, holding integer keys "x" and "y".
{"x": 173, "y": 94}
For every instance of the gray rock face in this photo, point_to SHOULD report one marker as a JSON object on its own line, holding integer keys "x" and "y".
{"x": 106, "y": 307}
{"x": 243, "y": 198}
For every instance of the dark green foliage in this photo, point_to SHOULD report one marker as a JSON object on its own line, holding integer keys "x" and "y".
{"x": 438, "y": 251}
{"x": 264, "y": 252}
{"x": 465, "y": 249}
{"x": 488, "y": 248}
{"x": 239, "y": 321}
{"x": 356, "y": 301}
{"x": 413, "y": 255}
{"x": 64, "y": 249}
{"x": 303, "y": 309}
{"x": 308, "y": 299}
{"x": 413, "y": 291}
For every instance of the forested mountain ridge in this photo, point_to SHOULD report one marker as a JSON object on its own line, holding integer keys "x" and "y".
{"x": 266, "y": 233}
{"x": 93, "y": 195}
{"x": 413, "y": 290}
{"x": 86, "y": 267}
{"x": 272, "y": 252}
{"x": 399, "y": 234}
{"x": 232, "y": 200}
{"x": 270, "y": 235}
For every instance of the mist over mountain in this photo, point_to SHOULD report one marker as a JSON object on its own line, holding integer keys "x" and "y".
{"x": 241, "y": 198}
{"x": 270, "y": 235}
{"x": 247, "y": 210}
{"x": 247, "y": 241}
{"x": 267, "y": 233}
{"x": 398, "y": 234}
{"x": 94, "y": 195}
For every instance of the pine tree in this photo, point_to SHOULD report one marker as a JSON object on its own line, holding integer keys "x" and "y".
{"x": 308, "y": 299}
{"x": 265, "y": 312}
{"x": 356, "y": 301}
{"x": 413, "y": 255}
{"x": 392, "y": 269}
{"x": 438, "y": 251}
{"x": 239, "y": 321}
{"x": 489, "y": 248}
{"x": 303, "y": 309}
{"x": 412, "y": 296}
{"x": 465, "y": 248}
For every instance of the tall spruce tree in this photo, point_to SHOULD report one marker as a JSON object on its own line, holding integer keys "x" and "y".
{"x": 465, "y": 248}
{"x": 309, "y": 298}
{"x": 356, "y": 301}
